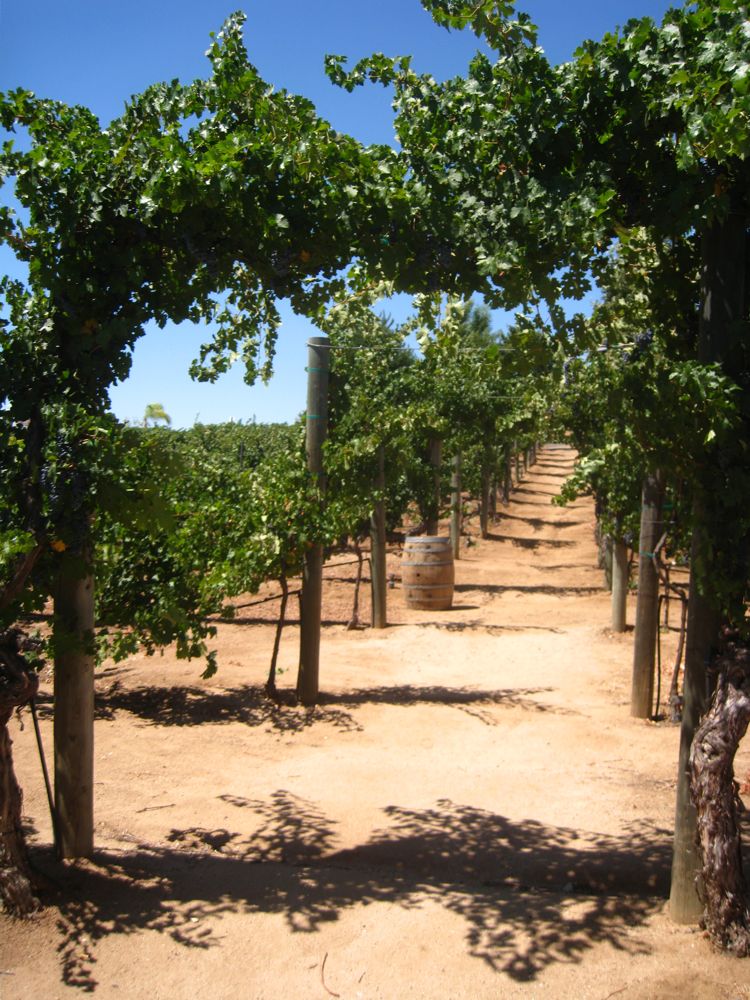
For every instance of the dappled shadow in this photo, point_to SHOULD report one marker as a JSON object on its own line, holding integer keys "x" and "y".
{"x": 477, "y": 626}
{"x": 530, "y": 503}
{"x": 484, "y": 627}
{"x": 538, "y": 588}
{"x": 531, "y": 543}
{"x": 535, "y": 491}
{"x": 411, "y": 694}
{"x": 191, "y": 706}
{"x": 539, "y": 523}
{"x": 550, "y": 567}
{"x": 291, "y": 619}
{"x": 530, "y": 895}
{"x": 291, "y": 829}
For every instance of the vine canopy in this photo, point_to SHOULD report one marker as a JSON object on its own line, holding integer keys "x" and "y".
{"x": 210, "y": 200}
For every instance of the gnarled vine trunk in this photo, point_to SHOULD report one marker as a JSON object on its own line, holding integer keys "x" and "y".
{"x": 715, "y": 797}
{"x": 18, "y": 685}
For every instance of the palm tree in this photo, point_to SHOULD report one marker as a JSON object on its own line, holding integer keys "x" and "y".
{"x": 155, "y": 413}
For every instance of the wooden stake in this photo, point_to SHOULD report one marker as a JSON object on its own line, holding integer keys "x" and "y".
{"x": 456, "y": 506}
{"x": 311, "y": 598}
{"x": 74, "y": 709}
{"x": 377, "y": 541}
{"x": 647, "y": 607}
{"x": 619, "y": 585}
{"x": 432, "y": 519}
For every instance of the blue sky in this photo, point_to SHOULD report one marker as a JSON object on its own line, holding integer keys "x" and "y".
{"x": 99, "y": 52}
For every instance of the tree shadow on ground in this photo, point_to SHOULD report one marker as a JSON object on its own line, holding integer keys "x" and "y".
{"x": 537, "y": 588}
{"x": 530, "y": 895}
{"x": 531, "y": 543}
{"x": 484, "y": 627}
{"x": 497, "y": 629}
{"x": 409, "y": 694}
{"x": 534, "y": 491}
{"x": 530, "y": 503}
{"x": 193, "y": 706}
{"x": 557, "y": 566}
{"x": 291, "y": 618}
{"x": 539, "y": 523}
{"x": 563, "y": 466}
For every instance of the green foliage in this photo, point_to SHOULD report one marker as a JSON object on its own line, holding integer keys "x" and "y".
{"x": 156, "y": 413}
{"x": 211, "y": 200}
{"x": 221, "y": 502}
{"x": 633, "y": 408}
{"x": 153, "y": 218}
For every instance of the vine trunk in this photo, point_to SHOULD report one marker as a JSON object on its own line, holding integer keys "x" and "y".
{"x": 18, "y": 685}
{"x": 715, "y": 797}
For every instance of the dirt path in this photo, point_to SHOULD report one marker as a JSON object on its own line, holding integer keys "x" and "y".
{"x": 471, "y": 812}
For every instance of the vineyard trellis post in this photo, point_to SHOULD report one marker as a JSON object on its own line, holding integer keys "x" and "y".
{"x": 486, "y": 486}
{"x": 435, "y": 449}
{"x": 74, "y": 709}
{"x": 456, "y": 506}
{"x": 377, "y": 539}
{"x": 507, "y": 474}
{"x": 318, "y": 365}
{"x": 647, "y": 610}
{"x": 620, "y": 568}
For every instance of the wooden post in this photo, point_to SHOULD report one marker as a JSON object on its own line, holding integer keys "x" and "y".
{"x": 311, "y": 598}
{"x": 456, "y": 506}
{"x": 647, "y": 607}
{"x": 377, "y": 553}
{"x": 619, "y": 585}
{"x": 605, "y": 558}
{"x": 484, "y": 504}
{"x": 507, "y": 474}
{"x": 74, "y": 708}
{"x": 433, "y": 515}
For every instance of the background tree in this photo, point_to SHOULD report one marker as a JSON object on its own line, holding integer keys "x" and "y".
{"x": 155, "y": 414}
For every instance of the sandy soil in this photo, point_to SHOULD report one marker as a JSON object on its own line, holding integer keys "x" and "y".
{"x": 470, "y": 812}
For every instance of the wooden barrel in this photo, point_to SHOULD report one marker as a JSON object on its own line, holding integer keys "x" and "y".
{"x": 427, "y": 572}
